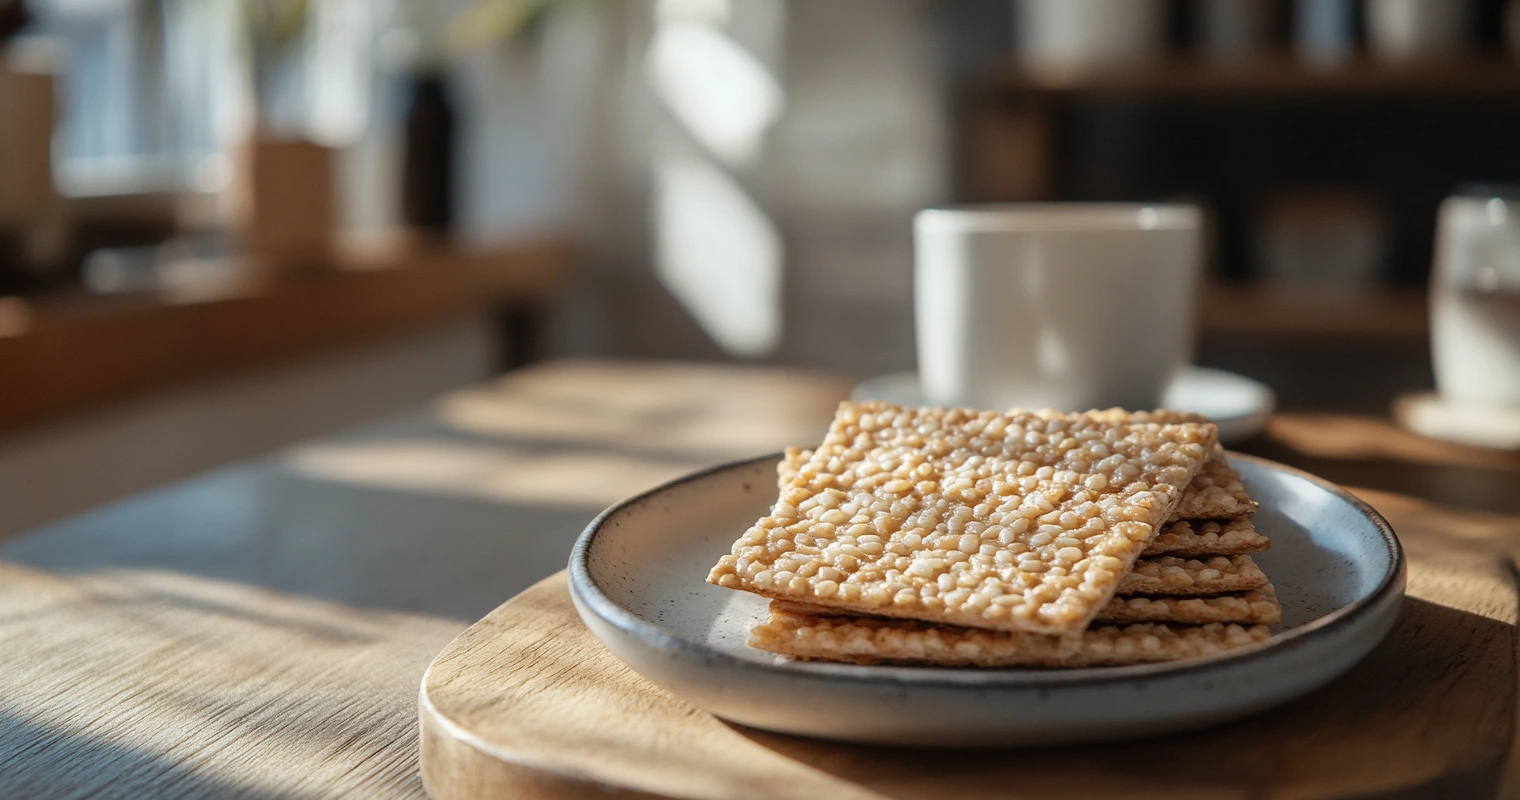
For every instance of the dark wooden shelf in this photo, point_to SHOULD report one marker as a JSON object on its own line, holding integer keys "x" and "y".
{"x": 1276, "y": 75}
{"x": 1315, "y": 312}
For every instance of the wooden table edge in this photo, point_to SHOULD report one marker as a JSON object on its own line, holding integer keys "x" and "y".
{"x": 456, "y": 763}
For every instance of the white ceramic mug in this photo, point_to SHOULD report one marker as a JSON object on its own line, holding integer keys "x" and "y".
{"x": 1062, "y": 305}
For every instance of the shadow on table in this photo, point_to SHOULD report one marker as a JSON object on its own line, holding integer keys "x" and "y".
{"x": 44, "y": 761}
{"x": 199, "y": 677}
{"x": 1429, "y": 714}
{"x": 279, "y": 529}
{"x": 1473, "y": 488}
{"x": 1375, "y": 452}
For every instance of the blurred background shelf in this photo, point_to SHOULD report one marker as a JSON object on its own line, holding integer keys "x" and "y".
{"x": 1277, "y": 74}
{"x": 75, "y": 351}
{"x": 1394, "y": 315}
{"x": 1309, "y": 174}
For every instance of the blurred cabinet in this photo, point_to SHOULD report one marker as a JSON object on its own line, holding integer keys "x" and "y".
{"x": 1234, "y": 135}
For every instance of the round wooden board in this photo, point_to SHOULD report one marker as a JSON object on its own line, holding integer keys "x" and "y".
{"x": 527, "y": 704}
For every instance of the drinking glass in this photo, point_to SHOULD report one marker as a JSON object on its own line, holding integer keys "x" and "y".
{"x": 1475, "y": 298}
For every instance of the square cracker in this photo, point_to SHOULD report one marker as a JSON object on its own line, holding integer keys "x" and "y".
{"x": 1191, "y": 576}
{"x": 1020, "y": 521}
{"x": 874, "y": 640}
{"x": 1229, "y": 537}
{"x": 1254, "y": 607}
{"x": 1209, "y": 537}
{"x": 1215, "y": 493}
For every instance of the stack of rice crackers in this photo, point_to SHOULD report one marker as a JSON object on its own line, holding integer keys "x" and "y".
{"x": 1028, "y": 538}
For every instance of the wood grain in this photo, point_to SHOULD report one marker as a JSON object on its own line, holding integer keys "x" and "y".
{"x": 152, "y": 684}
{"x": 261, "y": 631}
{"x": 526, "y": 703}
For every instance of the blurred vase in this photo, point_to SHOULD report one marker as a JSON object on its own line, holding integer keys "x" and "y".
{"x": 33, "y": 220}
{"x": 1512, "y": 28}
{"x": 1414, "y": 30}
{"x": 427, "y": 173}
{"x": 285, "y": 200}
{"x": 1321, "y": 238}
{"x": 1078, "y": 34}
{"x": 1475, "y": 298}
{"x": 1324, "y": 31}
{"x": 1233, "y": 30}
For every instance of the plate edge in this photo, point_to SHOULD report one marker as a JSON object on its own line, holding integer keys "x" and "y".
{"x": 590, "y": 598}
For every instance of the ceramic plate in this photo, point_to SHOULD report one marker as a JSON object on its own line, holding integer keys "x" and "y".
{"x": 1237, "y": 404}
{"x": 637, "y": 577}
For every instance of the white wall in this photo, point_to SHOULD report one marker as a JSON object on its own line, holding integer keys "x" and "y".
{"x": 861, "y": 144}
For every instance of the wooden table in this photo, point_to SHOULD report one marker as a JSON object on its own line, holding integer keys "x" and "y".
{"x": 262, "y": 630}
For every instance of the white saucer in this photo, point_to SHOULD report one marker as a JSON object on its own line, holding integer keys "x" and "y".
{"x": 637, "y": 578}
{"x": 1237, "y": 404}
{"x": 1428, "y": 414}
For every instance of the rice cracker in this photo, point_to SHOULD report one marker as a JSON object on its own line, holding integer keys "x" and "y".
{"x": 1215, "y": 493}
{"x": 1019, "y": 521}
{"x": 1190, "y": 538}
{"x": 1189, "y": 576}
{"x": 1182, "y": 537}
{"x": 1254, "y": 607}
{"x": 873, "y": 640}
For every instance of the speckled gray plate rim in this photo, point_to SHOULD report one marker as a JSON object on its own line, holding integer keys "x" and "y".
{"x": 594, "y": 599}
